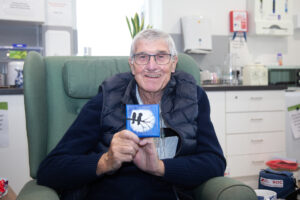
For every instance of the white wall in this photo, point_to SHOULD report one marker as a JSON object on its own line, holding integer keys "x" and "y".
{"x": 217, "y": 10}
{"x": 263, "y": 48}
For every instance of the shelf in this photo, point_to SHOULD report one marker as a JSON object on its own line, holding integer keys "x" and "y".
{"x": 6, "y": 51}
{"x": 283, "y": 67}
{"x": 29, "y": 48}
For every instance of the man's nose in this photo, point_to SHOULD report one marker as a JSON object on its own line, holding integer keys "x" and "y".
{"x": 152, "y": 63}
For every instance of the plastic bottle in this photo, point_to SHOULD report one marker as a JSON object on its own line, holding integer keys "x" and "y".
{"x": 279, "y": 59}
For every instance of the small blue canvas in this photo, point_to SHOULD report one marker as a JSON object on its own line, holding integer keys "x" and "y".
{"x": 143, "y": 120}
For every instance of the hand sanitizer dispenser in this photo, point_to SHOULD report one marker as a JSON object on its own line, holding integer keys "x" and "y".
{"x": 270, "y": 17}
{"x": 196, "y": 32}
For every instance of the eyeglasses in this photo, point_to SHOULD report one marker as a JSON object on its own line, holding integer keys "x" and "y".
{"x": 160, "y": 59}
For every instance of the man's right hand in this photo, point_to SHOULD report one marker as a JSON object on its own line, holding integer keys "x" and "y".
{"x": 123, "y": 147}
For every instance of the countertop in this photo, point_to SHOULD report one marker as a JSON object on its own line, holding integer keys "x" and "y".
{"x": 16, "y": 91}
{"x": 242, "y": 87}
{"x": 11, "y": 91}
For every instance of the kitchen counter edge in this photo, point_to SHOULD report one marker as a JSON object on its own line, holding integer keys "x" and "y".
{"x": 242, "y": 87}
{"x": 11, "y": 91}
{"x": 14, "y": 91}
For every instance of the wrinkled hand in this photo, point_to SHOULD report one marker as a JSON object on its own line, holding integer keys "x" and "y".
{"x": 123, "y": 148}
{"x": 147, "y": 159}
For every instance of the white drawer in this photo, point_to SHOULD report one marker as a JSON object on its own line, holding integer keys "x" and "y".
{"x": 255, "y": 101}
{"x": 255, "y": 122}
{"x": 240, "y": 144}
{"x": 249, "y": 165}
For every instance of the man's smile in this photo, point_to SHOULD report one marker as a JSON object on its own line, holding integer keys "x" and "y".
{"x": 153, "y": 75}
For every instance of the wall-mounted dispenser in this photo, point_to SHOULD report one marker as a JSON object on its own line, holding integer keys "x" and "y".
{"x": 196, "y": 31}
{"x": 270, "y": 17}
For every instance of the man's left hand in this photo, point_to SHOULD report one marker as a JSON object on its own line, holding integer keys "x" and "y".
{"x": 147, "y": 159}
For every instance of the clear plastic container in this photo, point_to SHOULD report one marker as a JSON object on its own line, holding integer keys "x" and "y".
{"x": 230, "y": 72}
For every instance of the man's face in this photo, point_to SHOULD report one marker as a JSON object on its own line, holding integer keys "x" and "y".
{"x": 152, "y": 77}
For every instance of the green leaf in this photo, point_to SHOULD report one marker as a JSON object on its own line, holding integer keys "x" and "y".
{"x": 142, "y": 24}
{"x": 137, "y": 23}
{"x": 129, "y": 26}
{"x": 134, "y": 27}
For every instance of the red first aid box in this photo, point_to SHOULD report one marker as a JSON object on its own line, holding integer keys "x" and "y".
{"x": 238, "y": 21}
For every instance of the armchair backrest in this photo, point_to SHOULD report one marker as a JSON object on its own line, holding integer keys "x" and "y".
{"x": 56, "y": 88}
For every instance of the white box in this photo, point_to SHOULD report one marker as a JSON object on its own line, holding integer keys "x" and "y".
{"x": 270, "y": 17}
{"x": 196, "y": 32}
{"x": 23, "y": 10}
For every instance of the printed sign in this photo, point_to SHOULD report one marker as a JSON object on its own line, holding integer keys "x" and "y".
{"x": 143, "y": 120}
{"x": 271, "y": 182}
{"x": 4, "y": 136}
{"x": 294, "y": 115}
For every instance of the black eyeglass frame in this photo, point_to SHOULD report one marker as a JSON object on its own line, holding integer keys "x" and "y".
{"x": 154, "y": 55}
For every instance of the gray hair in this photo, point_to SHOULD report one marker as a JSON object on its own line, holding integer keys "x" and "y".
{"x": 153, "y": 34}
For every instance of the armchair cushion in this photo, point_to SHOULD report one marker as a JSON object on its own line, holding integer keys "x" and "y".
{"x": 82, "y": 77}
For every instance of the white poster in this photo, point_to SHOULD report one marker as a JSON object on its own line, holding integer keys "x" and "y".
{"x": 4, "y": 136}
{"x": 294, "y": 115}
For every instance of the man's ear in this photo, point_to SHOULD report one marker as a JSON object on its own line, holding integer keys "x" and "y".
{"x": 130, "y": 61}
{"x": 174, "y": 63}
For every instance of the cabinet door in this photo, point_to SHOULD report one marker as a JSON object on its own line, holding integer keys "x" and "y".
{"x": 217, "y": 108}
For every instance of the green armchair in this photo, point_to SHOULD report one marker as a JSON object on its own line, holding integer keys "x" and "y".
{"x": 56, "y": 88}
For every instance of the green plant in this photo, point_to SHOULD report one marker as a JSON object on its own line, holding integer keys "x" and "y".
{"x": 137, "y": 24}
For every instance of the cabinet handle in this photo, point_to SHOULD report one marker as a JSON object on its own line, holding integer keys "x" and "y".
{"x": 256, "y": 98}
{"x": 258, "y": 161}
{"x": 256, "y": 119}
{"x": 257, "y": 140}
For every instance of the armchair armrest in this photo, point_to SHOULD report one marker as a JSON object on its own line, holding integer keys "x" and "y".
{"x": 33, "y": 191}
{"x": 224, "y": 188}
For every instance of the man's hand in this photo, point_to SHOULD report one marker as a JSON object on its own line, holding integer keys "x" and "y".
{"x": 123, "y": 148}
{"x": 147, "y": 159}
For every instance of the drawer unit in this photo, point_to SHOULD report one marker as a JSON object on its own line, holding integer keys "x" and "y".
{"x": 254, "y": 101}
{"x": 243, "y": 144}
{"x": 249, "y": 165}
{"x": 253, "y": 127}
{"x": 255, "y": 122}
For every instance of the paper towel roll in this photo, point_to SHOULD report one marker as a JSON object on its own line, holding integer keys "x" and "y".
{"x": 12, "y": 73}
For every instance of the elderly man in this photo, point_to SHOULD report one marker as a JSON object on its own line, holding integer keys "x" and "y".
{"x": 99, "y": 159}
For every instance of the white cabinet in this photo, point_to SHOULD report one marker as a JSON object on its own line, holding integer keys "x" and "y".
{"x": 251, "y": 126}
{"x": 14, "y": 158}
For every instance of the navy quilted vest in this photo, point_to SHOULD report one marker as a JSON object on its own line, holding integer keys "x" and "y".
{"x": 179, "y": 106}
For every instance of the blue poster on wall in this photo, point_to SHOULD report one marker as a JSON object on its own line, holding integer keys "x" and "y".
{"x": 143, "y": 120}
